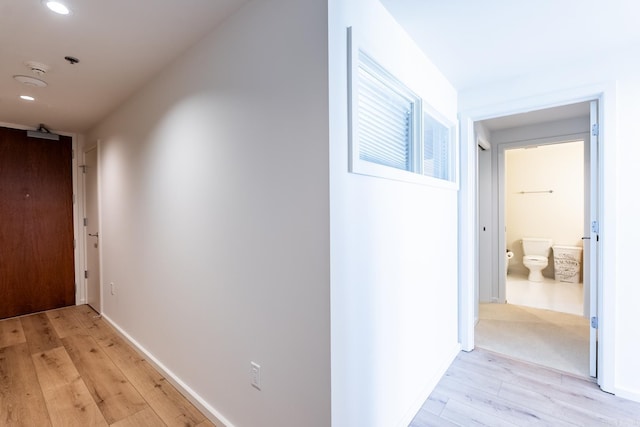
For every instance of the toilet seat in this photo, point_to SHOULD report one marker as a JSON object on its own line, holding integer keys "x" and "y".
{"x": 535, "y": 258}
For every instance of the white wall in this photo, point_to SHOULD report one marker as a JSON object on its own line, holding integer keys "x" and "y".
{"x": 215, "y": 216}
{"x": 618, "y": 75}
{"x": 558, "y": 215}
{"x": 393, "y": 247}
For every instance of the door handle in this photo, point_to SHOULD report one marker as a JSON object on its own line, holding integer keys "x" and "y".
{"x": 586, "y": 238}
{"x": 93, "y": 235}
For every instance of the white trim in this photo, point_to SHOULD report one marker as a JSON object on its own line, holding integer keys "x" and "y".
{"x": 467, "y": 234}
{"x": 81, "y": 296}
{"x": 627, "y": 394}
{"x": 210, "y": 412}
{"x": 86, "y": 148}
{"x": 605, "y": 93}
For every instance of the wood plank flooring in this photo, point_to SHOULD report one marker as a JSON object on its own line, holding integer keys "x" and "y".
{"x": 68, "y": 367}
{"x": 482, "y": 388}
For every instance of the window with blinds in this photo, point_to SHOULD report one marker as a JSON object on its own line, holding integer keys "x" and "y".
{"x": 437, "y": 148}
{"x": 391, "y": 136}
{"x": 386, "y": 117}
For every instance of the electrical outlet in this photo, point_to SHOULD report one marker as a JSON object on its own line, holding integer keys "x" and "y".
{"x": 255, "y": 375}
{"x": 113, "y": 288}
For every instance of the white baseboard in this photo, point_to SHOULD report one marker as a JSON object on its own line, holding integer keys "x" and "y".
{"x": 210, "y": 412}
{"x": 431, "y": 385}
{"x": 627, "y": 394}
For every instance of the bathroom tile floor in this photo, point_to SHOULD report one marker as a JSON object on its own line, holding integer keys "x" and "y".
{"x": 550, "y": 294}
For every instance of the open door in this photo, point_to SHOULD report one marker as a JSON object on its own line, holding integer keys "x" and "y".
{"x": 591, "y": 241}
{"x": 92, "y": 228}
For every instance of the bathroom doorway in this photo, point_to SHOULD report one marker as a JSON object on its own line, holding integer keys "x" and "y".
{"x": 544, "y": 198}
{"x": 534, "y": 175}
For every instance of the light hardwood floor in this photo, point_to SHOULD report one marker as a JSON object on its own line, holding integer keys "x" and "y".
{"x": 68, "y": 367}
{"x": 482, "y": 388}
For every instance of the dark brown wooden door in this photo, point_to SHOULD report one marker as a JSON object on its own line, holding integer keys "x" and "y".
{"x": 36, "y": 223}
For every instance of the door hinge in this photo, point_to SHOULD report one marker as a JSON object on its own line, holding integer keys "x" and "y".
{"x": 85, "y": 221}
{"x": 594, "y": 322}
{"x": 86, "y": 274}
{"x": 595, "y": 129}
{"x": 595, "y": 227}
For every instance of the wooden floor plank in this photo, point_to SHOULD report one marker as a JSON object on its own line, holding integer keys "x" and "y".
{"x": 490, "y": 384}
{"x": 528, "y": 394}
{"x": 93, "y": 323}
{"x": 206, "y": 423}
{"x": 68, "y": 400}
{"x": 39, "y": 333}
{"x": 11, "y": 332}
{"x": 466, "y": 415}
{"x": 114, "y": 394}
{"x": 65, "y": 322}
{"x": 505, "y": 368}
{"x": 559, "y": 409}
{"x": 173, "y": 408}
{"x": 426, "y": 418}
{"x": 69, "y": 367}
{"x": 21, "y": 399}
{"x": 501, "y": 409}
{"x": 145, "y": 418}
{"x": 435, "y": 403}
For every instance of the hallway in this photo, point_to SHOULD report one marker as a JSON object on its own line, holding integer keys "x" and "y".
{"x": 68, "y": 367}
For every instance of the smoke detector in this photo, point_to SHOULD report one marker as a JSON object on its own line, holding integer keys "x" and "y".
{"x": 30, "y": 81}
{"x": 37, "y": 68}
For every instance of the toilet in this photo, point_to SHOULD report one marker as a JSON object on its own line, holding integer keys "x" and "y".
{"x": 536, "y": 256}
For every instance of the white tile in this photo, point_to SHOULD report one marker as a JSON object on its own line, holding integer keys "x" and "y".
{"x": 550, "y": 294}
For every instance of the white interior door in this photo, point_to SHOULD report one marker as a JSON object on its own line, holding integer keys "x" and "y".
{"x": 591, "y": 242}
{"x": 92, "y": 229}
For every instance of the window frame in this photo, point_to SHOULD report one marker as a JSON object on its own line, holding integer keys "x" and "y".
{"x": 365, "y": 167}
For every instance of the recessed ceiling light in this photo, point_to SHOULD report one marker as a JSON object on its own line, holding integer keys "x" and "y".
{"x": 58, "y": 7}
{"x": 30, "y": 81}
{"x": 27, "y": 98}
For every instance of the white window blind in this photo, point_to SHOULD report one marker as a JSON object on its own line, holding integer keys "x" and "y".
{"x": 386, "y": 114}
{"x": 436, "y": 149}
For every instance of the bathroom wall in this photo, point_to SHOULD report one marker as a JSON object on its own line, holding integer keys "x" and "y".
{"x": 558, "y": 215}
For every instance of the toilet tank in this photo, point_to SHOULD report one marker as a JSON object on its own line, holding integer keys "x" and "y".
{"x": 536, "y": 246}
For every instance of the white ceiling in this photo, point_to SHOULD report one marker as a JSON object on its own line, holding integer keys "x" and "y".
{"x": 120, "y": 45}
{"x": 123, "y": 43}
{"x": 479, "y": 42}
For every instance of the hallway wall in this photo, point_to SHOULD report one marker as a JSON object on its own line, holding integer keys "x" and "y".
{"x": 215, "y": 221}
{"x": 394, "y": 264}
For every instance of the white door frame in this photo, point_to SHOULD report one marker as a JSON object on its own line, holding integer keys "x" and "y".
{"x": 88, "y": 148}
{"x": 468, "y": 233}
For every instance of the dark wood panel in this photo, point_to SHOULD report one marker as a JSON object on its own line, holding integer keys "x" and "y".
{"x": 36, "y": 223}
